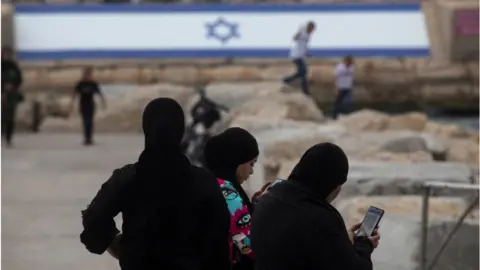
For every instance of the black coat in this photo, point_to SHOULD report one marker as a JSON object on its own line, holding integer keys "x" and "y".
{"x": 11, "y": 73}
{"x": 197, "y": 235}
{"x": 293, "y": 229}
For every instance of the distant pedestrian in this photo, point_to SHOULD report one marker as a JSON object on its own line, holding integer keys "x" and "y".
{"x": 11, "y": 97}
{"x": 87, "y": 88}
{"x": 344, "y": 74}
{"x": 298, "y": 53}
{"x": 11, "y": 73}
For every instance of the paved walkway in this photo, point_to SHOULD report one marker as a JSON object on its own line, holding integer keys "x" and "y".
{"x": 46, "y": 181}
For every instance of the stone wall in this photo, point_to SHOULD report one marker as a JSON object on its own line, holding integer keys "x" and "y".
{"x": 377, "y": 81}
{"x": 447, "y": 45}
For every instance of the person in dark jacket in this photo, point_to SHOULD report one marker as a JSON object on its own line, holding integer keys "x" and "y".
{"x": 174, "y": 215}
{"x": 87, "y": 88}
{"x": 206, "y": 111}
{"x": 295, "y": 226}
{"x": 11, "y": 98}
{"x": 231, "y": 156}
{"x": 11, "y": 73}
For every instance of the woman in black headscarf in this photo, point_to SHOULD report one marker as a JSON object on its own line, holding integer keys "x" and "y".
{"x": 296, "y": 227}
{"x": 174, "y": 216}
{"x": 150, "y": 219}
{"x": 231, "y": 156}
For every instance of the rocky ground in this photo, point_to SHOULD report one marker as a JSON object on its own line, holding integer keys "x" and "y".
{"x": 390, "y": 156}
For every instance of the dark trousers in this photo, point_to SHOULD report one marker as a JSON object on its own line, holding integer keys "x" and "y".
{"x": 87, "y": 113}
{"x": 342, "y": 102}
{"x": 8, "y": 127}
{"x": 301, "y": 73}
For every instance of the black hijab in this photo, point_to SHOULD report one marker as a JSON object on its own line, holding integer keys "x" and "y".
{"x": 226, "y": 151}
{"x": 162, "y": 164}
{"x": 321, "y": 169}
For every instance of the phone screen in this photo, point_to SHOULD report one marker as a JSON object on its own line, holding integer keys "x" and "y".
{"x": 370, "y": 221}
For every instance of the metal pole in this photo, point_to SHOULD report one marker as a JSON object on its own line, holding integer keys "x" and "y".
{"x": 424, "y": 232}
{"x": 444, "y": 185}
{"x": 452, "y": 233}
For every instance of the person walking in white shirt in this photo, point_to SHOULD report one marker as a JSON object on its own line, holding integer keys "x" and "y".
{"x": 298, "y": 53}
{"x": 344, "y": 85}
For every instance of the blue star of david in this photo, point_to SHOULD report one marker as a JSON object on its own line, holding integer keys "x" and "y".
{"x": 212, "y": 30}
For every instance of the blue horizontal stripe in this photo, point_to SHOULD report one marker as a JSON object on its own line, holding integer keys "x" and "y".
{"x": 240, "y": 53}
{"x": 255, "y": 8}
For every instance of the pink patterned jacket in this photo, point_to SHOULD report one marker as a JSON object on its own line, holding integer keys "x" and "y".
{"x": 240, "y": 221}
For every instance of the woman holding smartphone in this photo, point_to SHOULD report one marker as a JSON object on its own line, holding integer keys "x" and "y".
{"x": 295, "y": 225}
{"x": 231, "y": 156}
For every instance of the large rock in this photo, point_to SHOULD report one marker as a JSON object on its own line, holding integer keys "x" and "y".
{"x": 445, "y": 131}
{"x": 233, "y": 95}
{"x": 409, "y": 121}
{"x": 294, "y": 106}
{"x": 282, "y": 146}
{"x": 365, "y": 120}
{"x": 393, "y": 178}
{"x": 258, "y": 126}
{"x": 292, "y": 143}
{"x": 124, "y": 111}
{"x": 405, "y": 145}
{"x": 400, "y": 230}
{"x": 356, "y": 145}
{"x": 463, "y": 150}
{"x": 125, "y": 114}
{"x": 288, "y": 141}
{"x": 371, "y": 120}
{"x": 410, "y": 157}
{"x": 410, "y": 143}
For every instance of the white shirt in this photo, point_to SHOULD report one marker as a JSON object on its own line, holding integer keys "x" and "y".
{"x": 300, "y": 46}
{"x": 344, "y": 76}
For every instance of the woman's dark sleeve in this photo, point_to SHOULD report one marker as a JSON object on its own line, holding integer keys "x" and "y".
{"x": 338, "y": 251}
{"x": 99, "y": 228}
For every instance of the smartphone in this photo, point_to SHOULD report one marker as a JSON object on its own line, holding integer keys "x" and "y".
{"x": 370, "y": 221}
{"x": 242, "y": 243}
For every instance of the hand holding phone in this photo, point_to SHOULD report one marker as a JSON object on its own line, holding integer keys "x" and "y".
{"x": 370, "y": 222}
